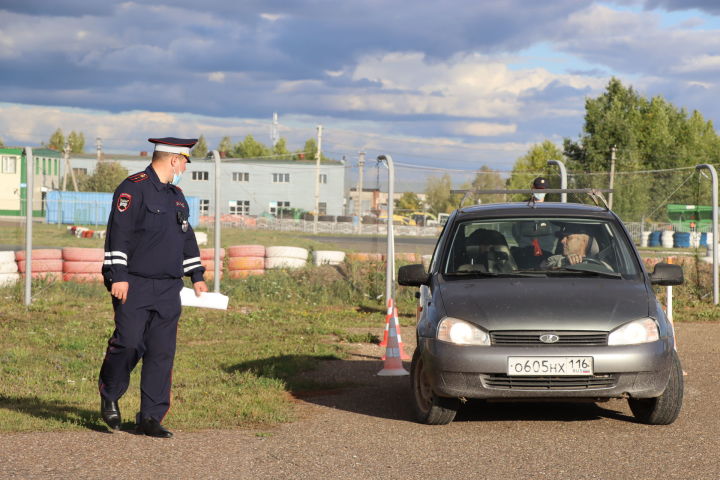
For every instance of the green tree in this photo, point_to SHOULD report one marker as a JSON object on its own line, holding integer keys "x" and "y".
{"x": 280, "y": 150}
{"x": 225, "y": 147}
{"x": 309, "y": 151}
{"x": 200, "y": 150}
{"x": 485, "y": 179}
{"x": 77, "y": 142}
{"x": 408, "y": 202}
{"x": 106, "y": 178}
{"x": 532, "y": 165}
{"x": 439, "y": 196}
{"x": 57, "y": 140}
{"x": 646, "y": 134}
{"x": 250, "y": 148}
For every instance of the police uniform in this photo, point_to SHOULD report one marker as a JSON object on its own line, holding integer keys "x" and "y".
{"x": 150, "y": 245}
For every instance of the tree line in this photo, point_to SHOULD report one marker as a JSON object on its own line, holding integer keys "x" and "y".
{"x": 651, "y": 138}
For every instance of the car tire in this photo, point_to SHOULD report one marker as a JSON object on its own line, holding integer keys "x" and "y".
{"x": 662, "y": 410}
{"x": 429, "y": 408}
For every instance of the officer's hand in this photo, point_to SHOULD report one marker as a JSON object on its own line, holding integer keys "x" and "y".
{"x": 200, "y": 287}
{"x": 119, "y": 290}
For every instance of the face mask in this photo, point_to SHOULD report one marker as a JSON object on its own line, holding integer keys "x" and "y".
{"x": 539, "y": 196}
{"x": 176, "y": 177}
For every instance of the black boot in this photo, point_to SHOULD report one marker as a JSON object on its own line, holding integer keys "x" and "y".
{"x": 152, "y": 428}
{"x": 110, "y": 413}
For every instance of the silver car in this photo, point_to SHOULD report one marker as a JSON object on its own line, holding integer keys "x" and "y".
{"x": 541, "y": 301}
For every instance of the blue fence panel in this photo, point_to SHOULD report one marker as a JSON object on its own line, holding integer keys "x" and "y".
{"x": 93, "y": 208}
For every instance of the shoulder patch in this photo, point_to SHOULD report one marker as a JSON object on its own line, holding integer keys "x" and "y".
{"x": 138, "y": 177}
{"x": 123, "y": 202}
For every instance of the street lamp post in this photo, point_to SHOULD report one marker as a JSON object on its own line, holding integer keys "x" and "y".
{"x": 714, "y": 176}
{"x": 563, "y": 178}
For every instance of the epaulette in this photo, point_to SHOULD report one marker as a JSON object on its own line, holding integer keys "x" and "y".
{"x": 138, "y": 177}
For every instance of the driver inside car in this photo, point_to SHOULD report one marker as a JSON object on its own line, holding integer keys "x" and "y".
{"x": 575, "y": 241}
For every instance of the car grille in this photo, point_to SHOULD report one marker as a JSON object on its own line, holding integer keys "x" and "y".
{"x": 566, "y": 338}
{"x": 504, "y": 382}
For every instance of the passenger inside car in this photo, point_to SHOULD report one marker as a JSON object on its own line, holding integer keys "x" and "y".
{"x": 536, "y": 242}
{"x": 485, "y": 250}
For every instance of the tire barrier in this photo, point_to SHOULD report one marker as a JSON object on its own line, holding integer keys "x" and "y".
{"x": 681, "y": 240}
{"x": 8, "y": 269}
{"x": 246, "y": 251}
{"x": 75, "y": 254}
{"x": 666, "y": 238}
{"x": 209, "y": 253}
{"x": 365, "y": 257}
{"x": 654, "y": 239}
{"x": 246, "y": 263}
{"x": 42, "y": 265}
{"x": 82, "y": 232}
{"x": 40, "y": 254}
{"x": 406, "y": 257}
{"x": 285, "y": 257}
{"x": 328, "y": 257}
{"x": 644, "y": 238}
{"x": 426, "y": 259}
{"x": 703, "y": 239}
{"x": 284, "y": 262}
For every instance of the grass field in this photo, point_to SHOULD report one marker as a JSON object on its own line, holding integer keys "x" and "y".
{"x": 233, "y": 368}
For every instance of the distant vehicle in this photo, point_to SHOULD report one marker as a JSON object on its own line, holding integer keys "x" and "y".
{"x": 443, "y": 218}
{"x": 397, "y": 220}
{"x": 423, "y": 218}
{"x": 542, "y": 301}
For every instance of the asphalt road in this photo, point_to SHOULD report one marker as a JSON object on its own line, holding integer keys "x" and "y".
{"x": 367, "y": 432}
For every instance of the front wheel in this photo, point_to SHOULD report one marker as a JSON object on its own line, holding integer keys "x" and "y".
{"x": 429, "y": 408}
{"x": 662, "y": 410}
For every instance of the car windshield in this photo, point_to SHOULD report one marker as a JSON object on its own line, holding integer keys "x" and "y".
{"x": 546, "y": 246}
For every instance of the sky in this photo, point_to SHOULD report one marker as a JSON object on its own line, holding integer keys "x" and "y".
{"x": 437, "y": 85}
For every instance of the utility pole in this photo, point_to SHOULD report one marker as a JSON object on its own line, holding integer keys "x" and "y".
{"x": 99, "y": 147}
{"x": 68, "y": 168}
{"x": 361, "y": 169}
{"x": 274, "y": 134}
{"x": 612, "y": 176}
{"x": 318, "y": 155}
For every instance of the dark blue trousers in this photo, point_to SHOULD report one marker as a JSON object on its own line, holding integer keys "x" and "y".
{"x": 145, "y": 328}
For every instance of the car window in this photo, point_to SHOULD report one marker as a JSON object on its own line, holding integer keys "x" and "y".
{"x": 550, "y": 245}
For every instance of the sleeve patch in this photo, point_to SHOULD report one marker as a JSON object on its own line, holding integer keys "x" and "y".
{"x": 124, "y": 202}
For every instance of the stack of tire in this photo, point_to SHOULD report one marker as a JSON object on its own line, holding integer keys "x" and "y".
{"x": 246, "y": 260}
{"x": 47, "y": 263}
{"x": 328, "y": 257}
{"x": 365, "y": 257}
{"x": 82, "y": 264}
{"x": 8, "y": 269}
{"x": 285, "y": 257}
{"x": 207, "y": 258}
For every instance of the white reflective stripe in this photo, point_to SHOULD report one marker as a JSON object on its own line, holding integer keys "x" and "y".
{"x": 107, "y": 262}
{"x": 118, "y": 254}
{"x": 191, "y": 267}
{"x": 192, "y": 260}
{"x": 119, "y": 262}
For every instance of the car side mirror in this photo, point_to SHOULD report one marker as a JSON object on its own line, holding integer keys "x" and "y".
{"x": 667, "y": 274}
{"x": 413, "y": 275}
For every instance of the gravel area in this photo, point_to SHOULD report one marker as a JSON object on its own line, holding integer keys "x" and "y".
{"x": 365, "y": 431}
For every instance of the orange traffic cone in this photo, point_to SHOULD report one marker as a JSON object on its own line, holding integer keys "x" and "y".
{"x": 392, "y": 360}
{"x": 396, "y": 322}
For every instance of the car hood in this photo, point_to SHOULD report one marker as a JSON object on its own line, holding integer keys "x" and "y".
{"x": 545, "y": 303}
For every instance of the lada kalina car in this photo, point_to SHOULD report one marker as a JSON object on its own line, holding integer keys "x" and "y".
{"x": 541, "y": 301}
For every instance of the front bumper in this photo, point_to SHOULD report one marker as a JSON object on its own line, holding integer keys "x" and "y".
{"x": 640, "y": 371}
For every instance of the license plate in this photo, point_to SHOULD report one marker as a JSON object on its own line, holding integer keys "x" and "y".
{"x": 550, "y": 366}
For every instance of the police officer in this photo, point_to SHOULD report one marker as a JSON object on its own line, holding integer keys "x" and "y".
{"x": 149, "y": 247}
{"x": 540, "y": 183}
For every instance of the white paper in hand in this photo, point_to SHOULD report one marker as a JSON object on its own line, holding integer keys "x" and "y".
{"x": 205, "y": 300}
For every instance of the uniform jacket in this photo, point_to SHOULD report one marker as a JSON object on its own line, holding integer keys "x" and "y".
{"x": 145, "y": 234}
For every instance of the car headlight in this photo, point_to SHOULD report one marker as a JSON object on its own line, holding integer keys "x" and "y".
{"x": 639, "y": 331}
{"x": 460, "y": 332}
